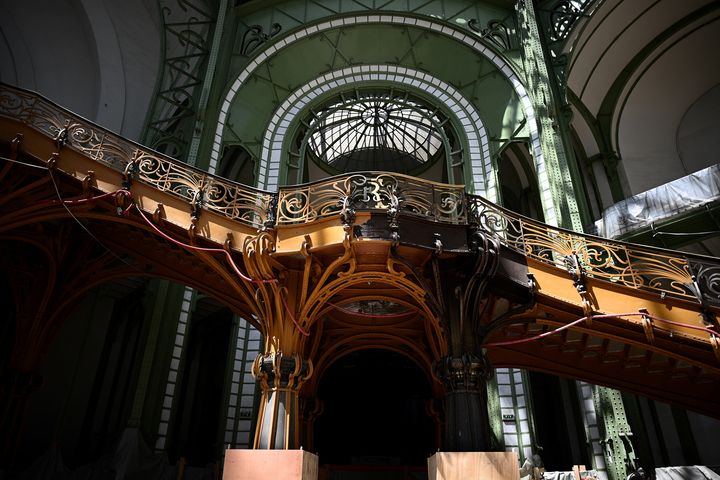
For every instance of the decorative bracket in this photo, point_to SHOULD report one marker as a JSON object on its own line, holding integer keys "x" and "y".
{"x": 87, "y": 182}
{"x": 710, "y": 277}
{"x": 271, "y": 217}
{"x": 196, "y": 207}
{"x": 648, "y": 326}
{"x": 131, "y": 169}
{"x": 575, "y": 268}
{"x": 62, "y": 136}
{"x": 347, "y": 213}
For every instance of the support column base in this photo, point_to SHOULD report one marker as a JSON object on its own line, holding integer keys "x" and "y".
{"x": 464, "y": 465}
{"x": 264, "y": 464}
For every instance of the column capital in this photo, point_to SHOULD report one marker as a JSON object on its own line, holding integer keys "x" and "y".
{"x": 467, "y": 372}
{"x": 279, "y": 371}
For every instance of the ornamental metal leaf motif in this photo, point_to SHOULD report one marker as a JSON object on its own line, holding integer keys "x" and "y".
{"x": 254, "y": 37}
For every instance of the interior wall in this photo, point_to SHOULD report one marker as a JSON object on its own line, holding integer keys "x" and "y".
{"x": 96, "y": 58}
{"x": 698, "y": 135}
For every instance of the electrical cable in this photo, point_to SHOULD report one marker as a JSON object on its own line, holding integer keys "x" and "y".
{"x": 601, "y": 317}
{"x": 42, "y": 167}
{"x": 62, "y": 202}
{"x": 202, "y": 249}
{"x": 81, "y": 201}
{"x": 235, "y": 268}
{"x": 686, "y": 234}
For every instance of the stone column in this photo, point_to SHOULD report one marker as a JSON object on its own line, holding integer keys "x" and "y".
{"x": 467, "y": 427}
{"x": 280, "y": 377}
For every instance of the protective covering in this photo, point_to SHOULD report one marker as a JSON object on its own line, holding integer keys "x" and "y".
{"x": 558, "y": 476}
{"x": 584, "y": 475}
{"x": 679, "y": 196}
{"x": 695, "y": 472}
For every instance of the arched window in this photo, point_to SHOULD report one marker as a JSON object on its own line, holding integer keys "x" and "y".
{"x": 377, "y": 131}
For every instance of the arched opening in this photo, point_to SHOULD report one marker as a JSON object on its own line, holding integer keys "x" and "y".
{"x": 375, "y": 416}
{"x": 199, "y": 412}
{"x": 238, "y": 164}
{"x": 518, "y": 181}
{"x": 560, "y": 438}
{"x": 377, "y": 130}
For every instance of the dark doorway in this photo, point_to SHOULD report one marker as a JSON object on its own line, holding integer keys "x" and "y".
{"x": 201, "y": 395}
{"x": 559, "y": 433}
{"x": 375, "y": 417}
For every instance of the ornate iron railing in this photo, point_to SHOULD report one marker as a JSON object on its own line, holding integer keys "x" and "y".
{"x": 238, "y": 202}
{"x": 663, "y": 272}
{"x": 658, "y": 271}
{"x": 372, "y": 191}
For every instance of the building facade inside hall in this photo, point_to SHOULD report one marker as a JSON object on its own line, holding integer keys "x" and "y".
{"x": 594, "y": 116}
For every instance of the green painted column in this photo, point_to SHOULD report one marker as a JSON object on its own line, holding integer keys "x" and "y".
{"x": 616, "y": 440}
{"x": 617, "y": 436}
{"x": 207, "y": 83}
{"x": 564, "y": 200}
{"x": 497, "y": 439}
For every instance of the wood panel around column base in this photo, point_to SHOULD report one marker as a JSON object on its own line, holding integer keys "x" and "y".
{"x": 480, "y": 465}
{"x": 264, "y": 464}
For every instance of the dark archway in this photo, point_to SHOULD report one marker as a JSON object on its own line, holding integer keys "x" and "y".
{"x": 559, "y": 436}
{"x": 375, "y": 412}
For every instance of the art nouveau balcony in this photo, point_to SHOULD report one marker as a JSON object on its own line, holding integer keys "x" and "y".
{"x": 456, "y": 273}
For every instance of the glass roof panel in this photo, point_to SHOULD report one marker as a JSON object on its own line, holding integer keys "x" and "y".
{"x": 376, "y": 132}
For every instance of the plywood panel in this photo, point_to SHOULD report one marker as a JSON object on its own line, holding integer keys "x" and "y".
{"x": 264, "y": 464}
{"x": 475, "y": 465}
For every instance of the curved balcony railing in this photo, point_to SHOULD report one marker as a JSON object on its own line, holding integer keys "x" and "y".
{"x": 372, "y": 191}
{"x": 658, "y": 271}
{"x": 233, "y": 200}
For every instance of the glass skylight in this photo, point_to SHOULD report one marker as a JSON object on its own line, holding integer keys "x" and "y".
{"x": 376, "y": 133}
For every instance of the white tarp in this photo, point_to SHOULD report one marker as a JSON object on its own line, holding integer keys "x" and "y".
{"x": 584, "y": 475}
{"x": 695, "y": 472}
{"x": 681, "y": 195}
{"x": 558, "y": 476}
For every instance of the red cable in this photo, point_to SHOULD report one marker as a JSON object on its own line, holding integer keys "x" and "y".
{"x": 127, "y": 193}
{"x": 248, "y": 279}
{"x": 536, "y": 337}
{"x": 80, "y": 201}
{"x": 230, "y": 259}
{"x": 595, "y": 317}
{"x": 678, "y": 324}
{"x": 293, "y": 316}
{"x": 202, "y": 249}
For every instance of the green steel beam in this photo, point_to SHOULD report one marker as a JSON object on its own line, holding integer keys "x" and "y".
{"x": 561, "y": 186}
